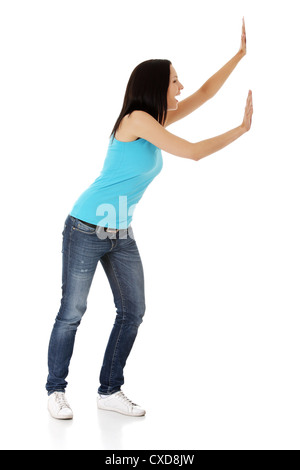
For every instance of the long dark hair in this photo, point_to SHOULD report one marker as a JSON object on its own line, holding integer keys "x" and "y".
{"x": 147, "y": 91}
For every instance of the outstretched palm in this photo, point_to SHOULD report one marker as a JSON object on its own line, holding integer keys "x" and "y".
{"x": 243, "y": 48}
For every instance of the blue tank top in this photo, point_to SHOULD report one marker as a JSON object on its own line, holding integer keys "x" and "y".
{"x": 128, "y": 169}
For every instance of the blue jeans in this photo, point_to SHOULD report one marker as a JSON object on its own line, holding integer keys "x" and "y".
{"x": 82, "y": 248}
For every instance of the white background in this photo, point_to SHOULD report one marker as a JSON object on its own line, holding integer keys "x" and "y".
{"x": 216, "y": 362}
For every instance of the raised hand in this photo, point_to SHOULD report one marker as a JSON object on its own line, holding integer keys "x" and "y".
{"x": 243, "y": 49}
{"x": 248, "y": 113}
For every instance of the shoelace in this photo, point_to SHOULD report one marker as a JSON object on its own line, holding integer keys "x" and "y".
{"x": 125, "y": 399}
{"x": 61, "y": 401}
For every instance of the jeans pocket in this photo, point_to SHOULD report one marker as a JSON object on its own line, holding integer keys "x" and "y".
{"x": 83, "y": 228}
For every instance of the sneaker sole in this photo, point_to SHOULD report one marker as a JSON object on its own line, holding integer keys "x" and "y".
{"x": 122, "y": 412}
{"x": 61, "y": 419}
{"x": 65, "y": 418}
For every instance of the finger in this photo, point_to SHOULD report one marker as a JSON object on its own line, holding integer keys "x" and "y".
{"x": 250, "y": 110}
{"x": 249, "y": 98}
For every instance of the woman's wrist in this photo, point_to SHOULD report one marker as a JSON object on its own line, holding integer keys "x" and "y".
{"x": 243, "y": 129}
{"x": 241, "y": 54}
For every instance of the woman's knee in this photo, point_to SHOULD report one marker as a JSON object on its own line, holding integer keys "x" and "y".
{"x": 70, "y": 316}
{"x": 136, "y": 314}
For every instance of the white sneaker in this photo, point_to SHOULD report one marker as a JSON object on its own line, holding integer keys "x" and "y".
{"x": 58, "y": 406}
{"x": 120, "y": 403}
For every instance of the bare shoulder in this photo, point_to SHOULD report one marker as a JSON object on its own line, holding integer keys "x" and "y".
{"x": 145, "y": 126}
{"x": 141, "y": 120}
{"x": 141, "y": 117}
{"x": 135, "y": 124}
{"x": 125, "y": 132}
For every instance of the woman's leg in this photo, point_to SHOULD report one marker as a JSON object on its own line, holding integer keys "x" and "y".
{"x": 124, "y": 270}
{"x": 80, "y": 257}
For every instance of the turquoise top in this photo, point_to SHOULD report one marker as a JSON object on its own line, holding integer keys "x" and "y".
{"x": 128, "y": 169}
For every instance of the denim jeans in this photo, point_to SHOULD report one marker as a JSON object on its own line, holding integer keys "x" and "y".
{"x": 82, "y": 248}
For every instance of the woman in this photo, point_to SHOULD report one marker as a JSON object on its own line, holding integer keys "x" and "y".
{"x": 98, "y": 228}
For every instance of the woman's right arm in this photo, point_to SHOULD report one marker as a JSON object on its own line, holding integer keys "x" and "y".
{"x": 145, "y": 126}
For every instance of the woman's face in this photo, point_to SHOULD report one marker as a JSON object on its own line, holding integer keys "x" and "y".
{"x": 174, "y": 90}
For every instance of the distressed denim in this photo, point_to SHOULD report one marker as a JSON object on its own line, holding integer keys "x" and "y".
{"x": 81, "y": 250}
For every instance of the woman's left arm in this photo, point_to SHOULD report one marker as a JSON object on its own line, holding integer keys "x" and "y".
{"x": 210, "y": 87}
{"x": 213, "y": 84}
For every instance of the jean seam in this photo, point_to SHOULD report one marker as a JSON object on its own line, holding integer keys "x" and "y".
{"x": 68, "y": 266}
{"x": 121, "y": 327}
{"x": 67, "y": 275}
{"x": 86, "y": 232}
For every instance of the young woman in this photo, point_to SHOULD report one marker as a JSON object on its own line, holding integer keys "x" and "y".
{"x": 98, "y": 228}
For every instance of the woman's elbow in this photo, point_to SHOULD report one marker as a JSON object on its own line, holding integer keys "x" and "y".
{"x": 193, "y": 153}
